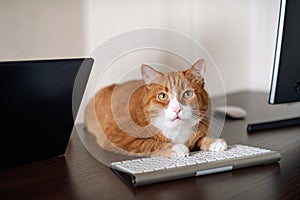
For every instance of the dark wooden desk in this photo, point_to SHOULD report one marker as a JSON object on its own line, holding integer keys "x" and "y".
{"x": 79, "y": 176}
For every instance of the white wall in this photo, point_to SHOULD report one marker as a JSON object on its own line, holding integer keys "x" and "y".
{"x": 41, "y": 29}
{"x": 239, "y": 35}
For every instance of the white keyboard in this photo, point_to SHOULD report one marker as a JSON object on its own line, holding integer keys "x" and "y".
{"x": 156, "y": 169}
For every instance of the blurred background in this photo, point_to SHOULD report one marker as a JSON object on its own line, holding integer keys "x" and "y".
{"x": 238, "y": 35}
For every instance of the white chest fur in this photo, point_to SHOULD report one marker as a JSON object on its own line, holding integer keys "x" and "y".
{"x": 178, "y": 135}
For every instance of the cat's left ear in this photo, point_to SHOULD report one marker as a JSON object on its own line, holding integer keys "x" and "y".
{"x": 149, "y": 74}
{"x": 198, "y": 69}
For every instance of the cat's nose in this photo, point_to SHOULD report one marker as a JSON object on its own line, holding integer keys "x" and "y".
{"x": 177, "y": 110}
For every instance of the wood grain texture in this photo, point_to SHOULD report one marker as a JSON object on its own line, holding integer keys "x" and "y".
{"x": 79, "y": 175}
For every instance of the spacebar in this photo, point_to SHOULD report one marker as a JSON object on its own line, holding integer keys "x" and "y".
{"x": 214, "y": 170}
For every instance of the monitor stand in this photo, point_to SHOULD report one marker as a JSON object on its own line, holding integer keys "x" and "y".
{"x": 273, "y": 124}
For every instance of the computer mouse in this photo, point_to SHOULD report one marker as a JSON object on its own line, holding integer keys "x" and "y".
{"x": 233, "y": 112}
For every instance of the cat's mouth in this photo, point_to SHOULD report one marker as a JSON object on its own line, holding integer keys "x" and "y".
{"x": 177, "y": 119}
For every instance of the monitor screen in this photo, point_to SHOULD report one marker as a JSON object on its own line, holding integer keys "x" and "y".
{"x": 39, "y": 100}
{"x": 285, "y": 86}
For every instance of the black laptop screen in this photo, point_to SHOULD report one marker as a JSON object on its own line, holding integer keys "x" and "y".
{"x": 36, "y": 107}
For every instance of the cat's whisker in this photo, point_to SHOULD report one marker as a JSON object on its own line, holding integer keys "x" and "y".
{"x": 195, "y": 128}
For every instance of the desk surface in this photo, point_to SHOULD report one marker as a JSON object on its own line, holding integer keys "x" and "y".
{"x": 79, "y": 176}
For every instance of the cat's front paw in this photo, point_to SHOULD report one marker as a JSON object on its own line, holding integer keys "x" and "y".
{"x": 218, "y": 145}
{"x": 179, "y": 150}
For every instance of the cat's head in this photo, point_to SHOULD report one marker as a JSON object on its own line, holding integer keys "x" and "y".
{"x": 176, "y": 99}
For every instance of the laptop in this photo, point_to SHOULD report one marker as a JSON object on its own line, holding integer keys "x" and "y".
{"x": 39, "y": 101}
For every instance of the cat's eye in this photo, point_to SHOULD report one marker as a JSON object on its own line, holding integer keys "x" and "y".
{"x": 188, "y": 94}
{"x": 162, "y": 96}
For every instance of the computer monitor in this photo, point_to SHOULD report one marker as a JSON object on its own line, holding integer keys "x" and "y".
{"x": 39, "y": 100}
{"x": 285, "y": 85}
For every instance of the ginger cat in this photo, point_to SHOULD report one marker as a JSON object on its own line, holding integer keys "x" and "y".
{"x": 165, "y": 114}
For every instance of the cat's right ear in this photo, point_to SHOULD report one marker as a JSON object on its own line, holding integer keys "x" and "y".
{"x": 149, "y": 74}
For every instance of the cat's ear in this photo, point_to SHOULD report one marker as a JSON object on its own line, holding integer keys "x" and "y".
{"x": 149, "y": 74}
{"x": 198, "y": 69}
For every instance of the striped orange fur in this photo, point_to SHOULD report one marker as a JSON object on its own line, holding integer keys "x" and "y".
{"x": 164, "y": 114}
